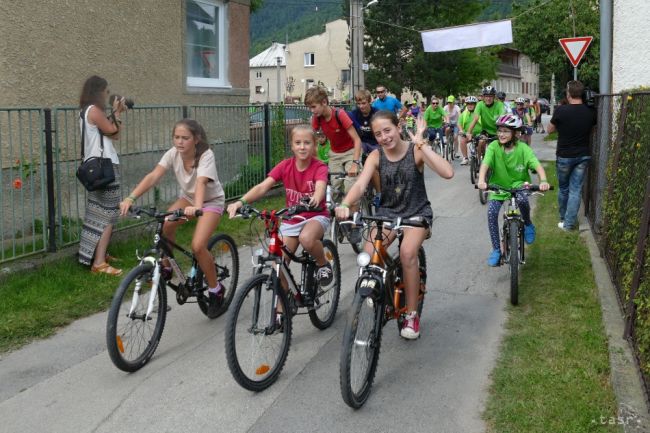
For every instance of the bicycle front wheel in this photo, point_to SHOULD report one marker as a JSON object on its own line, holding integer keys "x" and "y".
{"x": 360, "y": 351}
{"x": 132, "y": 335}
{"x": 326, "y": 301}
{"x": 226, "y": 262}
{"x": 257, "y": 343}
{"x": 513, "y": 261}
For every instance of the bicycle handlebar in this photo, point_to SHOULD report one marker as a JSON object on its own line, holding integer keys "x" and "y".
{"x": 527, "y": 187}
{"x": 392, "y": 223}
{"x": 174, "y": 214}
{"x": 284, "y": 213}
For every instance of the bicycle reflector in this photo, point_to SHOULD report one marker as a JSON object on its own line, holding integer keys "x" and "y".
{"x": 120, "y": 346}
{"x": 262, "y": 369}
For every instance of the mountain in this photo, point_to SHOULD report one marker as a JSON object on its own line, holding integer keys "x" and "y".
{"x": 297, "y": 19}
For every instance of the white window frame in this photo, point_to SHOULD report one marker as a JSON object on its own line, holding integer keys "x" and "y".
{"x": 312, "y": 57}
{"x": 222, "y": 47}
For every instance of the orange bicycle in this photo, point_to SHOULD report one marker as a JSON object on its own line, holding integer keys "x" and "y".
{"x": 378, "y": 299}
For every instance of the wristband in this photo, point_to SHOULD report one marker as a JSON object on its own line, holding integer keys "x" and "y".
{"x": 345, "y": 205}
{"x": 542, "y": 180}
{"x": 130, "y": 197}
{"x": 243, "y": 202}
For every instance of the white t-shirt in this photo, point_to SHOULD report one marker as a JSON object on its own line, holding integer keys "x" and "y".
{"x": 453, "y": 115}
{"x": 93, "y": 142}
{"x": 214, "y": 194}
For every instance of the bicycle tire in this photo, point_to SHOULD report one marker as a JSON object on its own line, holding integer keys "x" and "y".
{"x": 333, "y": 289}
{"x": 472, "y": 170}
{"x": 513, "y": 261}
{"x": 262, "y": 372}
{"x": 484, "y": 194}
{"x": 422, "y": 263}
{"x": 356, "y": 393}
{"x": 227, "y": 274}
{"x": 122, "y": 340}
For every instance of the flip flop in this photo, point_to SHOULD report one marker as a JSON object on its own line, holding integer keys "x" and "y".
{"x": 105, "y": 268}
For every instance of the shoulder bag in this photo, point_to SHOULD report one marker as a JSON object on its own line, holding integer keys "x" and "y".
{"x": 95, "y": 173}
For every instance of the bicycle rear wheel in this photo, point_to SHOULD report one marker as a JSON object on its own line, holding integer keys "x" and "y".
{"x": 256, "y": 347}
{"x": 360, "y": 351}
{"x": 326, "y": 300}
{"x": 132, "y": 336}
{"x": 472, "y": 170}
{"x": 513, "y": 260}
{"x": 226, "y": 261}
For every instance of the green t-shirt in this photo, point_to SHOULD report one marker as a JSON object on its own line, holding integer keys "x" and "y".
{"x": 465, "y": 121}
{"x": 434, "y": 117}
{"x": 509, "y": 170}
{"x": 489, "y": 115}
{"x": 324, "y": 152}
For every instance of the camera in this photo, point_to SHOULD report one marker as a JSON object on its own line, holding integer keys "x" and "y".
{"x": 589, "y": 97}
{"x": 127, "y": 101}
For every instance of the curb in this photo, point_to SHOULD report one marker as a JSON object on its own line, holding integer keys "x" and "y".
{"x": 633, "y": 413}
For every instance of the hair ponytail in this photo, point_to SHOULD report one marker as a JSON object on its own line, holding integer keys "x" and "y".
{"x": 199, "y": 134}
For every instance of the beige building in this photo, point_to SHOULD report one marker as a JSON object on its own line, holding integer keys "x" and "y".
{"x": 321, "y": 59}
{"x": 517, "y": 75}
{"x": 158, "y": 52}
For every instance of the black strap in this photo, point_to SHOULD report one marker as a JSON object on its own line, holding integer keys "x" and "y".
{"x": 336, "y": 115}
{"x": 82, "y": 115}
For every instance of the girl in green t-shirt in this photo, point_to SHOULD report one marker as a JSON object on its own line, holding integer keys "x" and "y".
{"x": 509, "y": 159}
{"x": 323, "y": 148}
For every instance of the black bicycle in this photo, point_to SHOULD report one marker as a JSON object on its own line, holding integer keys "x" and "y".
{"x": 379, "y": 297}
{"x": 512, "y": 238}
{"x": 258, "y": 329}
{"x": 136, "y": 318}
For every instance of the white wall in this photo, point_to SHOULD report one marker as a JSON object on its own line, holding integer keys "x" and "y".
{"x": 631, "y": 48}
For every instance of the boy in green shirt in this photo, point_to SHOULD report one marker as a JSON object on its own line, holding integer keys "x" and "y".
{"x": 323, "y": 148}
{"x": 464, "y": 122}
{"x": 509, "y": 159}
{"x": 434, "y": 115}
{"x": 488, "y": 111}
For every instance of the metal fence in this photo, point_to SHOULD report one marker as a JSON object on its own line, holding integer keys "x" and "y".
{"x": 42, "y": 201}
{"x": 617, "y": 203}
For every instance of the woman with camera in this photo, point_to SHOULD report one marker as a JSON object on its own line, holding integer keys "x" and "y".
{"x": 102, "y": 206}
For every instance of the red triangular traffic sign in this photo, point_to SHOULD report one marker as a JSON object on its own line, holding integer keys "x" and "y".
{"x": 575, "y": 48}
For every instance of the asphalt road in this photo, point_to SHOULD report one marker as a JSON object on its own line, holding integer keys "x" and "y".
{"x": 438, "y": 383}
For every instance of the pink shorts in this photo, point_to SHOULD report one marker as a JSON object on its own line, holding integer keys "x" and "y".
{"x": 214, "y": 209}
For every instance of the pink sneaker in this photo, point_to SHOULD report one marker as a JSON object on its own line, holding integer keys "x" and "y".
{"x": 411, "y": 328}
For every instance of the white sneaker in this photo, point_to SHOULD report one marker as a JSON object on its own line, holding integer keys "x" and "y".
{"x": 411, "y": 328}
{"x": 465, "y": 161}
{"x": 560, "y": 224}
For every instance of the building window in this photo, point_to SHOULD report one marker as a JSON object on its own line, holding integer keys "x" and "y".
{"x": 310, "y": 59}
{"x": 310, "y": 83}
{"x": 205, "y": 43}
{"x": 259, "y": 89}
{"x": 258, "y": 74}
{"x": 345, "y": 76}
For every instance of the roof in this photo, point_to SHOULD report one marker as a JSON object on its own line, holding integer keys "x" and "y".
{"x": 268, "y": 57}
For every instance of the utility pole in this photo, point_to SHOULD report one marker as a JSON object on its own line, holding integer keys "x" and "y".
{"x": 279, "y": 79}
{"x": 357, "y": 73}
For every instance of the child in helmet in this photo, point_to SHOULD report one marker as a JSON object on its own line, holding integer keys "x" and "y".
{"x": 509, "y": 160}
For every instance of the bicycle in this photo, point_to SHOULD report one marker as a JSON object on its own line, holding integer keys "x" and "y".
{"x": 449, "y": 142}
{"x": 482, "y": 195}
{"x": 436, "y": 144}
{"x": 333, "y": 197}
{"x": 474, "y": 162}
{"x": 137, "y": 315}
{"x": 512, "y": 238}
{"x": 258, "y": 328}
{"x": 378, "y": 299}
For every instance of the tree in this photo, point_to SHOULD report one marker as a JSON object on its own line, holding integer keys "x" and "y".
{"x": 397, "y": 56}
{"x": 536, "y": 33}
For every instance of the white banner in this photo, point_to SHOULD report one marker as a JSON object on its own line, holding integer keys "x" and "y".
{"x": 471, "y": 36}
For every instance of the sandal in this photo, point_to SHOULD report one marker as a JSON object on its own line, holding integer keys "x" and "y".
{"x": 111, "y": 259}
{"x": 105, "y": 268}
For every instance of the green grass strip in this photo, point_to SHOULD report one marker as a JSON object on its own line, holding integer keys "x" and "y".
{"x": 553, "y": 372}
{"x": 33, "y": 304}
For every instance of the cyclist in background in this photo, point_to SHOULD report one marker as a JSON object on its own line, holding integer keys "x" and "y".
{"x": 509, "y": 159}
{"x": 522, "y": 113}
{"x": 452, "y": 113}
{"x": 488, "y": 111}
{"x": 501, "y": 96}
{"x": 361, "y": 116}
{"x": 464, "y": 122}
{"x": 434, "y": 116}
{"x": 323, "y": 147}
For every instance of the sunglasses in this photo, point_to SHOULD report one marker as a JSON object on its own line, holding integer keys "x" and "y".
{"x": 381, "y": 91}
{"x": 434, "y": 103}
